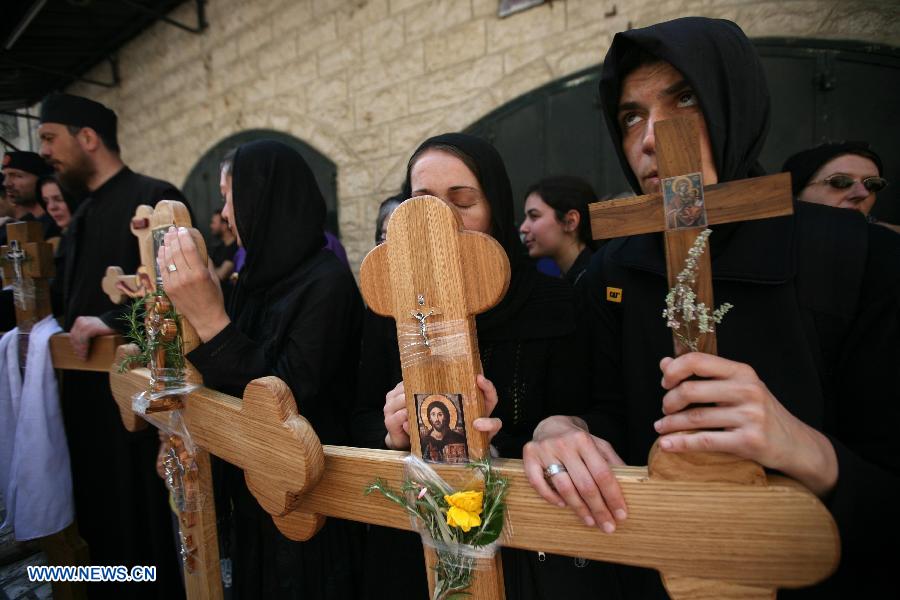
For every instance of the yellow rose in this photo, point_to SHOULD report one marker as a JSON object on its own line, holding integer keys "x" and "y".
{"x": 464, "y": 509}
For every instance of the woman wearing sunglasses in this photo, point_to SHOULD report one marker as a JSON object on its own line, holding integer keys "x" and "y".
{"x": 839, "y": 174}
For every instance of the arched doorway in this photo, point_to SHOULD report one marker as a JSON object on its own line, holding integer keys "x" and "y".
{"x": 202, "y": 184}
{"x": 820, "y": 90}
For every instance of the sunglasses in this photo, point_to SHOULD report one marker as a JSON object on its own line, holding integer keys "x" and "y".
{"x": 842, "y": 182}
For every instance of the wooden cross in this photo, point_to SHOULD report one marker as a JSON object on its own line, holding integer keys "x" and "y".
{"x": 27, "y": 265}
{"x": 753, "y": 539}
{"x": 187, "y": 467}
{"x": 429, "y": 259}
{"x": 672, "y": 211}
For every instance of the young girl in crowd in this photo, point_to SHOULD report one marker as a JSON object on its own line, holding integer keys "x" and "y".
{"x": 557, "y": 224}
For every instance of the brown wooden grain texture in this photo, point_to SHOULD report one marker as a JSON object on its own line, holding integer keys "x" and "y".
{"x": 461, "y": 273}
{"x": 100, "y": 358}
{"x": 772, "y": 535}
{"x": 206, "y": 579}
{"x": 725, "y": 203}
{"x": 113, "y": 276}
{"x": 488, "y": 582}
{"x": 144, "y": 235}
{"x": 261, "y": 433}
{"x": 38, "y": 267}
{"x": 698, "y": 588}
{"x": 678, "y": 153}
{"x": 778, "y": 535}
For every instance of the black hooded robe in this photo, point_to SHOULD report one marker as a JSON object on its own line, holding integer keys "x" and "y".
{"x": 121, "y": 504}
{"x": 297, "y": 314}
{"x": 816, "y": 312}
{"x": 533, "y": 352}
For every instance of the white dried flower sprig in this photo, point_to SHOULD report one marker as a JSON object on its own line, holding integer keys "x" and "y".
{"x": 685, "y": 318}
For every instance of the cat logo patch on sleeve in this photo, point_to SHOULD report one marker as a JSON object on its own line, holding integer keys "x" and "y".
{"x": 614, "y": 294}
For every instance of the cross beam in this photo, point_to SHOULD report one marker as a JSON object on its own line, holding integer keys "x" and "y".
{"x": 744, "y": 540}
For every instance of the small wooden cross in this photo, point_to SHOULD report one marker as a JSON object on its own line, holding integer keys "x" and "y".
{"x": 27, "y": 265}
{"x": 429, "y": 259}
{"x": 188, "y": 472}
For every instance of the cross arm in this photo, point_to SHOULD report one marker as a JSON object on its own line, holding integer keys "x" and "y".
{"x": 761, "y": 536}
{"x": 725, "y": 203}
{"x": 777, "y": 535}
{"x": 100, "y": 358}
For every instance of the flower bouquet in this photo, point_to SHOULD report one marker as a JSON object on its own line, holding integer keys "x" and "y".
{"x": 461, "y": 526}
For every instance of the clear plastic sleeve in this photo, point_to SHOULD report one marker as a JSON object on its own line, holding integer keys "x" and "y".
{"x": 456, "y": 560}
{"x": 424, "y": 340}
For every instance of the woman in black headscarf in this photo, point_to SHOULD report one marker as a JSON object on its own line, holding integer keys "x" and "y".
{"x": 806, "y": 379}
{"x": 530, "y": 349}
{"x": 296, "y": 313}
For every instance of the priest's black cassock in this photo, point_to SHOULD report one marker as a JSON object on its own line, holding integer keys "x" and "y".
{"x": 121, "y": 504}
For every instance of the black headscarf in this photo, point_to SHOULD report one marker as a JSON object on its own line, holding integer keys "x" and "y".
{"x": 803, "y": 165}
{"x": 529, "y": 310}
{"x": 494, "y": 181}
{"x": 724, "y": 70}
{"x": 279, "y": 213}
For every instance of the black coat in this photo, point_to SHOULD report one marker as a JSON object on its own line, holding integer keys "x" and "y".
{"x": 134, "y": 526}
{"x": 100, "y": 237}
{"x": 817, "y": 314}
{"x": 296, "y": 314}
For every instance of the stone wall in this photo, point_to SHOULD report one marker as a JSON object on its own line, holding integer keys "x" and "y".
{"x": 364, "y": 81}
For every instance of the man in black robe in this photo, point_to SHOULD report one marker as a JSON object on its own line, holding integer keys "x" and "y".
{"x": 121, "y": 505}
{"x": 806, "y": 382}
{"x": 21, "y": 171}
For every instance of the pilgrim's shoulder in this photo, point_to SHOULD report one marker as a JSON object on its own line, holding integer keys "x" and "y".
{"x": 150, "y": 190}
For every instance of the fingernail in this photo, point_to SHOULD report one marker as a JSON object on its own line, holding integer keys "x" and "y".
{"x": 621, "y": 514}
{"x": 608, "y": 527}
{"x": 561, "y": 504}
{"x": 665, "y": 444}
{"x": 182, "y": 229}
{"x": 657, "y": 425}
{"x": 589, "y": 521}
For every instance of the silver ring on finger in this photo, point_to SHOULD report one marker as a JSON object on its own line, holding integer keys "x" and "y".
{"x": 172, "y": 268}
{"x": 554, "y": 469}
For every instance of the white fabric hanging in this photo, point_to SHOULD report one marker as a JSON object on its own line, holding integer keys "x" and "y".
{"x": 35, "y": 477}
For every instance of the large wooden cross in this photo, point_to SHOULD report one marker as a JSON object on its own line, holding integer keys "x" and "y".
{"x": 729, "y": 540}
{"x": 433, "y": 278}
{"x": 681, "y": 210}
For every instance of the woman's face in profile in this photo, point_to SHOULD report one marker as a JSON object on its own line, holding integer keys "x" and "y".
{"x": 228, "y": 210}
{"x": 542, "y": 233}
{"x": 438, "y": 173}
